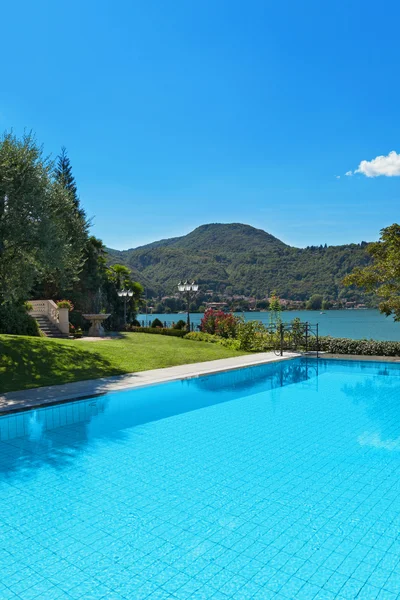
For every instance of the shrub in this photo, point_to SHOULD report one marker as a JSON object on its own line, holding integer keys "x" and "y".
{"x": 159, "y": 330}
{"x": 231, "y": 343}
{"x": 253, "y": 336}
{"x": 75, "y": 331}
{"x": 65, "y": 304}
{"x": 361, "y": 347}
{"x": 156, "y": 323}
{"x": 16, "y": 321}
{"x": 78, "y": 320}
{"x": 219, "y": 323}
{"x": 201, "y": 336}
{"x": 181, "y": 324}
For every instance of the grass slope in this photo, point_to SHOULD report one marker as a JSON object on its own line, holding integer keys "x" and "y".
{"x": 27, "y": 362}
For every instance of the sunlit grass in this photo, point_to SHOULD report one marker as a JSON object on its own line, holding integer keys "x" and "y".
{"x": 27, "y": 362}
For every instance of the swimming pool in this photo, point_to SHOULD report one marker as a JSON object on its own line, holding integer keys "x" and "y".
{"x": 275, "y": 481}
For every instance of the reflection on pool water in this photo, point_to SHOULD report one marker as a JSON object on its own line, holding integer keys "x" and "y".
{"x": 275, "y": 481}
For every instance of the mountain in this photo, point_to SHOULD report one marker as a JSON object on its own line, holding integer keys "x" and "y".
{"x": 243, "y": 260}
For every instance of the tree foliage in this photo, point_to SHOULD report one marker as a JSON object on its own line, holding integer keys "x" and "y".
{"x": 41, "y": 235}
{"x": 275, "y": 309}
{"x": 315, "y": 302}
{"x": 119, "y": 278}
{"x": 64, "y": 176}
{"x": 45, "y": 247}
{"x": 382, "y": 276}
{"x": 120, "y": 275}
{"x": 93, "y": 276}
{"x": 219, "y": 323}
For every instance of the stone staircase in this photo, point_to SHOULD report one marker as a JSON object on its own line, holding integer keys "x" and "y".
{"x": 48, "y": 328}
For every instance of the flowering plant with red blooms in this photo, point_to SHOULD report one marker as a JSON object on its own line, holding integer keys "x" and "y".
{"x": 65, "y": 304}
{"x": 219, "y": 323}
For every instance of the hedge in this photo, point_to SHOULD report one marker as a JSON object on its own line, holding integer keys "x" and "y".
{"x": 159, "y": 330}
{"x": 361, "y": 347}
{"x": 202, "y": 336}
{"x": 15, "y": 320}
{"x": 327, "y": 344}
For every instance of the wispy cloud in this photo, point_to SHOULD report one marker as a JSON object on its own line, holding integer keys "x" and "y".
{"x": 389, "y": 166}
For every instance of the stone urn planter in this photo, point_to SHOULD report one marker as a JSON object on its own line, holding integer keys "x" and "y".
{"x": 96, "y": 323}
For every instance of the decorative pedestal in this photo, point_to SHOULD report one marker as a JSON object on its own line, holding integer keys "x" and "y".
{"x": 63, "y": 320}
{"x": 96, "y": 326}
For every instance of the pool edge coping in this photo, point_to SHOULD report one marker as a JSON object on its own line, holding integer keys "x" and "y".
{"x": 117, "y": 383}
{"x": 360, "y": 357}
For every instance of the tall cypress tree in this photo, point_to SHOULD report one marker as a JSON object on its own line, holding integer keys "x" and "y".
{"x": 64, "y": 176}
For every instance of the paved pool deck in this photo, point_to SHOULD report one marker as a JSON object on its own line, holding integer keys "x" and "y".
{"x": 44, "y": 396}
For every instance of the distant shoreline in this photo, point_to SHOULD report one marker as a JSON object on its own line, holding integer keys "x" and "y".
{"x": 265, "y": 310}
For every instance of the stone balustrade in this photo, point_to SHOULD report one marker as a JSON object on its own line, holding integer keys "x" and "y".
{"x": 48, "y": 308}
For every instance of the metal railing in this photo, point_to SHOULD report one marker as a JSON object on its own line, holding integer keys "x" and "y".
{"x": 296, "y": 337}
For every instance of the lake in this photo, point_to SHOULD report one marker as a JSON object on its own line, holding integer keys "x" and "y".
{"x": 356, "y": 324}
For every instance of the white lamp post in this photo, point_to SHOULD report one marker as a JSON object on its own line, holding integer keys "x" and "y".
{"x": 190, "y": 290}
{"x": 125, "y": 294}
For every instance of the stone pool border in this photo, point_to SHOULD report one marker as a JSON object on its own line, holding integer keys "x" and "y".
{"x": 390, "y": 359}
{"x": 12, "y": 402}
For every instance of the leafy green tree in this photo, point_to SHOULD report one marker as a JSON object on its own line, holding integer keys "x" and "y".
{"x": 93, "y": 276}
{"x": 382, "y": 276}
{"x": 315, "y": 302}
{"x": 119, "y": 278}
{"x": 120, "y": 275}
{"x": 326, "y": 305}
{"x": 40, "y": 232}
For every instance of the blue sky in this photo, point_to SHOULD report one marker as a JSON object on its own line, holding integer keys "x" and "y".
{"x": 176, "y": 114}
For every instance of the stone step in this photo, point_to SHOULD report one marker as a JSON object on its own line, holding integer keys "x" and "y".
{"x": 48, "y": 328}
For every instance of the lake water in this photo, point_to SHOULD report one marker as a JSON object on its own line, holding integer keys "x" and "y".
{"x": 355, "y": 324}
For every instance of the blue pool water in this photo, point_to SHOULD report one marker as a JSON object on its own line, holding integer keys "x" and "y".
{"x": 277, "y": 481}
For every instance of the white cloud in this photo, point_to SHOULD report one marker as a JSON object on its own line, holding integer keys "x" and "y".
{"x": 349, "y": 173}
{"x": 374, "y": 440}
{"x": 337, "y": 176}
{"x": 381, "y": 165}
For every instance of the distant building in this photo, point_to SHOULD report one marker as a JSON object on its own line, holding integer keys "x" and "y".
{"x": 216, "y": 305}
{"x": 350, "y": 305}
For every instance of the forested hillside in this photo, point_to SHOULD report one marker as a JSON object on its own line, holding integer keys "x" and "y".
{"x": 240, "y": 259}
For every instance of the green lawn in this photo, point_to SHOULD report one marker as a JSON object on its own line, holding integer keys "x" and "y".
{"x": 27, "y": 362}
